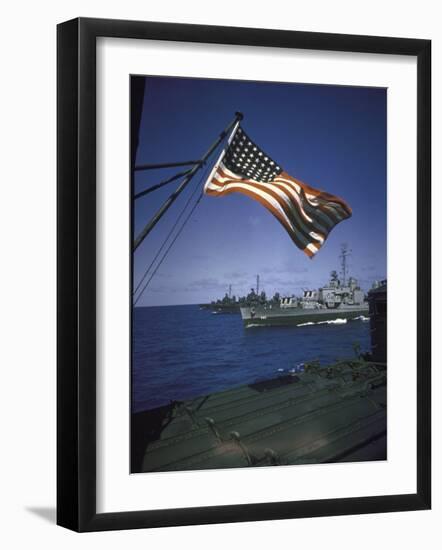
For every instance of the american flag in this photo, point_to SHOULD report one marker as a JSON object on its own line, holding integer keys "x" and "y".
{"x": 307, "y": 214}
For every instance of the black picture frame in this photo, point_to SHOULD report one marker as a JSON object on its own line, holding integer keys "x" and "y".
{"x": 76, "y": 274}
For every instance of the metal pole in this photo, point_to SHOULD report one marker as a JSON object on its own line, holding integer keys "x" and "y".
{"x": 159, "y": 185}
{"x": 166, "y": 205}
{"x": 165, "y": 165}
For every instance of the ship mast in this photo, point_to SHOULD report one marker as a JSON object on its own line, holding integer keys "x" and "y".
{"x": 345, "y": 252}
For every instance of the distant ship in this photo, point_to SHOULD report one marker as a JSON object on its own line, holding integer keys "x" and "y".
{"x": 231, "y": 304}
{"x": 337, "y": 301}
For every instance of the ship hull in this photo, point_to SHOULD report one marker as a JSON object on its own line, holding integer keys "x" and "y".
{"x": 296, "y": 317}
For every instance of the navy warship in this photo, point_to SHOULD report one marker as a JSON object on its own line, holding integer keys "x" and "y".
{"x": 338, "y": 301}
{"x": 232, "y": 304}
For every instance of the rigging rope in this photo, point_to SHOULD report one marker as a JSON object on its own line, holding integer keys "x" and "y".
{"x": 169, "y": 247}
{"x": 203, "y": 175}
{"x": 165, "y": 240}
{"x": 159, "y": 185}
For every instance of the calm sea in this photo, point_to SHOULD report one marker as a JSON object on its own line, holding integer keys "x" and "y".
{"x": 180, "y": 352}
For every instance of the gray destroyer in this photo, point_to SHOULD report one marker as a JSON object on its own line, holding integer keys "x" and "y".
{"x": 337, "y": 301}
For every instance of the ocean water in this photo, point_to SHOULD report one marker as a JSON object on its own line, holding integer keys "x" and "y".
{"x": 181, "y": 352}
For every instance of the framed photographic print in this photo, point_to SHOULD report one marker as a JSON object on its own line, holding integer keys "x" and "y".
{"x": 236, "y": 208}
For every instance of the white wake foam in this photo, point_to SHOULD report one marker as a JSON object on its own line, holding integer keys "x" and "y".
{"x": 361, "y": 318}
{"x": 331, "y": 322}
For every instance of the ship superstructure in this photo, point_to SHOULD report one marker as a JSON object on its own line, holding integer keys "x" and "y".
{"x": 340, "y": 299}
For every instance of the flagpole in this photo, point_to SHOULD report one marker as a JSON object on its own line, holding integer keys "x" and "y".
{"x": 166, "y": 205}
{"x": 221, "y": 155}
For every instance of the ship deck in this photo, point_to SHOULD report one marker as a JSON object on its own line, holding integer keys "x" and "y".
{"x": 331, "y": 414}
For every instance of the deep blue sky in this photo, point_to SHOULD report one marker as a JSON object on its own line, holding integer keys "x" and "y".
{"x": 331, "y": 137}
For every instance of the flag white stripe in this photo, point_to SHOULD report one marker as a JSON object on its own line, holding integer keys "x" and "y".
{"x": 295, "y": 196}
{"x": 297, "y": 189}
{"x": 313, "y": 208}
{"x": 279, "y": 192}
{"x": 311, "y": 198}
{"x": 221, "y": 156}
{"x": 309, "y": 231}
{"x": 296, "y": 230}
{"x": 265, "y": 197}
{"x": 282, "y": 194}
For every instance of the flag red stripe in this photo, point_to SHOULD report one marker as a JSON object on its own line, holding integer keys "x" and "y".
{"x": 293, "y": 213}
{"x": 225, "y": 190}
